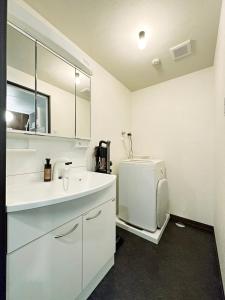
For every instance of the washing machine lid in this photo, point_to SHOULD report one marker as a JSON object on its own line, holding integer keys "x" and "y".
{"x": 162, "y": 201}
{"x": 141, "y": 161}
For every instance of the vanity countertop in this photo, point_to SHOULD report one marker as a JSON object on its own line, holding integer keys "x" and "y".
{"x": 39, "y": 194}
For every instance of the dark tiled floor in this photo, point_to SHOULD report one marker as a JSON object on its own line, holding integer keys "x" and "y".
{"x": 182, "y": 267}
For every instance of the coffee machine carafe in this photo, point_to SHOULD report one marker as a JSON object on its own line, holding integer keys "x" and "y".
{"x": 102, "y": 156}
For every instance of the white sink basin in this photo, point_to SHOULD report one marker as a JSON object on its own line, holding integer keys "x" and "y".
{"x": 39, "y": 194}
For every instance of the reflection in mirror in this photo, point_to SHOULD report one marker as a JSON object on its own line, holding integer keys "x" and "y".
{"x": 20, "y": 113}
{"x": 83, "y": 105}
{"x": 55, "y": 78}
{"x": 43, "y": 113}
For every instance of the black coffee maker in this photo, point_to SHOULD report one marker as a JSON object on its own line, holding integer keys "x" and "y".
{"x": 102, "y": 157}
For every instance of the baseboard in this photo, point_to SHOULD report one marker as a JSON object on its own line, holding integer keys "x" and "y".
{"x": 192, "y": 223}
{"x": 218, "y": 264}
{"x": 204, "y": 227}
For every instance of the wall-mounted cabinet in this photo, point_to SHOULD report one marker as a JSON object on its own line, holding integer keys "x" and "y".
{"x": 46, "y": 95}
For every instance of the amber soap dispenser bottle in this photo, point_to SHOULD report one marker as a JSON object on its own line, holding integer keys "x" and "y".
{"x": 48, "y": 170}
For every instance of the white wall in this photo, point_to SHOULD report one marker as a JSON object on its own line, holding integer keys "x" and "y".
{"x": 220, "y": 142}
{"x": 110, "y": 112}
{"x": 174, "y": 121}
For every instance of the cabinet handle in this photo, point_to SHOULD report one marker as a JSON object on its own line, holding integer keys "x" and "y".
{"x": 91, "y": 218}
{"x": 68, "y": 232}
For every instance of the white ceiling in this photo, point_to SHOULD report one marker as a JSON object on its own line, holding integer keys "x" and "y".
{"x": 108, "y": 29}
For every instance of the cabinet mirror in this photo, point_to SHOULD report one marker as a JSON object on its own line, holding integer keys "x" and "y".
{"x": 83, "y": 105}
{"x": 56, "y": 90}
{"x": 20, "y": 114}
{"x": 45, "y": 94}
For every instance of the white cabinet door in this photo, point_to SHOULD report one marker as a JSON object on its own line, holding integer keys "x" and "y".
{"x": 98, "y": 239}
{"x": 49, "y": 268}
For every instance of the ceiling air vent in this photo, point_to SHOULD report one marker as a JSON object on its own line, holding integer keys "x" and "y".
{"x": 181, "y": 50}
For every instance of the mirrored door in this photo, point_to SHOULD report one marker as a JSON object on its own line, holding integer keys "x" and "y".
{"x": 20, "y": 114}
{"x": 56, "y": 94}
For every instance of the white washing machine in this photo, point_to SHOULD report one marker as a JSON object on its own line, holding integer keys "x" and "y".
{"x": 143, "y": 193}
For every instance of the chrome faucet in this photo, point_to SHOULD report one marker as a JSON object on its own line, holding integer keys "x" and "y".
{"x": 60, "y": 168}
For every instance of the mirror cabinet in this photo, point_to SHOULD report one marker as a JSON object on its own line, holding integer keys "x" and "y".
{"x": 46, "y": 95}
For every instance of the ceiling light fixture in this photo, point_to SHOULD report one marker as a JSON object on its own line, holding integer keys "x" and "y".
{"x": 77, "y": 75}
{"x": 142, "y": 40}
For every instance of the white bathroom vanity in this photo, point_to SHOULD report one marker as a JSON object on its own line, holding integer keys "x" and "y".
{"x": 61, "y": 240}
